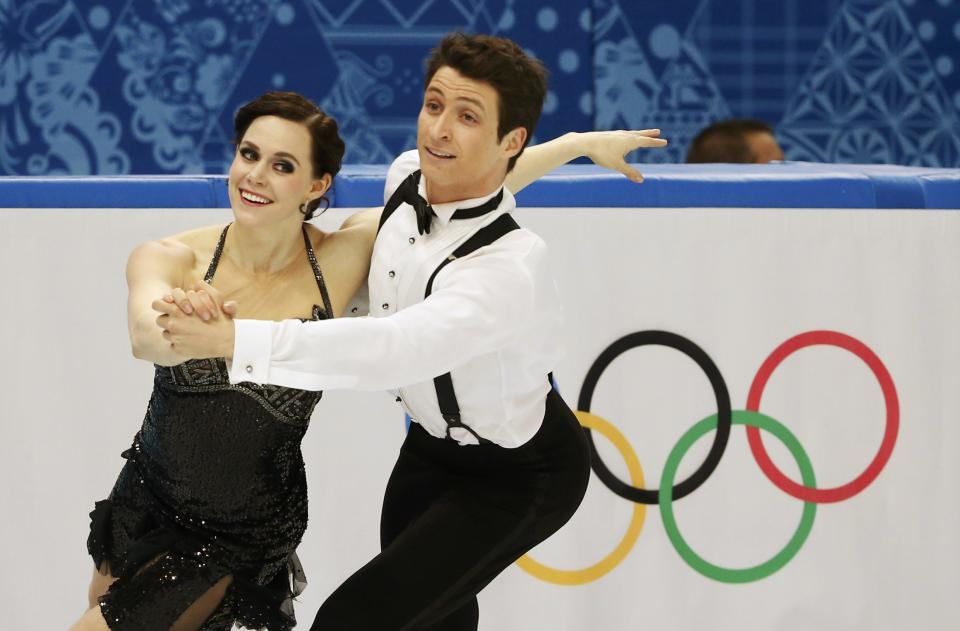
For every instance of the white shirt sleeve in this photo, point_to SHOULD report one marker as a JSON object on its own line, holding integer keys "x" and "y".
{"x": 479, "y": 304}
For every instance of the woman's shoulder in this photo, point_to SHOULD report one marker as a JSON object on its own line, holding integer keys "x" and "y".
{"x": 182, "y": 249}
{"x": 356, "y": 234}
{"x": 319, "y": 239}
{"x": 316, "y": 235}
{"x": 198, "y": 238}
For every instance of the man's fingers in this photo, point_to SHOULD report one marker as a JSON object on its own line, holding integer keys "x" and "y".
{"x": 631, "y": 173}
{"x": 209, "y": 305}
{"x": 164, "y": 307}
{"x": 180, "y": 298}
{"x": 646, "y": 138}
{"x": 201, "y": 304}
{"x": 230, "y": 308}
{"x": 209, "y": 290}
{"x": 164, "y": 322}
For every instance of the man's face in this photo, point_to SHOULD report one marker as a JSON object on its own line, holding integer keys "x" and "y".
{"x": 765, "y": 147}
{"x": 460, "y": 156}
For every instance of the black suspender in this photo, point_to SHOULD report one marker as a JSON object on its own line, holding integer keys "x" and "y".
{"x": 395, "y": 200}
{"x": 446, "y": 397}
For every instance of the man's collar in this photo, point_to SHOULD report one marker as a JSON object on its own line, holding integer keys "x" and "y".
{"x": 445, "y": 211}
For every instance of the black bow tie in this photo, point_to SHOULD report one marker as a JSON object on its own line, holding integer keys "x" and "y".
{"x": 409, "y": 192}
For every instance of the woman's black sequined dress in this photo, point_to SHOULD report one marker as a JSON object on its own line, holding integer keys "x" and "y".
{"x": 213, "y": 486}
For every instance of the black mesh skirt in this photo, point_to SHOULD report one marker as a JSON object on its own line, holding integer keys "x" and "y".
{"x": 163, "y": 567}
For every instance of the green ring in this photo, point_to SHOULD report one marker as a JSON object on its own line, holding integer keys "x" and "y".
{"x": 765, "y": 569}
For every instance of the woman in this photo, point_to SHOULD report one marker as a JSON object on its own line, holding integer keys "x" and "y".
{"x": 211, "y": 504}
{"x": 201, "y": 528}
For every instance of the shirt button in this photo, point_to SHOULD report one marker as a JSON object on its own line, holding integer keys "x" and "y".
{"x": 391, "y": 273}
{"x": 249, "y": 368}
{"x": 411, "y": 240}
{"x": 386, "y": 306}
{"x": 354, "y": 310}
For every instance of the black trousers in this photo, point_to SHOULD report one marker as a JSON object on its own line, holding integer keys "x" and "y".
{"x": 453, "y": 518}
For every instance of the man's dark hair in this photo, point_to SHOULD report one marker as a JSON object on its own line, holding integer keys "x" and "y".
{"x": 725, "y": 141}
{"x": 326, "y": 146}
{"x": 519, "y": 80}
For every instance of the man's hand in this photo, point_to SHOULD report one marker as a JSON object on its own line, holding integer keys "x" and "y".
{"x": 201, "y": 299}
{"x": 606, "y": 148}
{"x": 609, "y": 148}
{"x": 192, "y": 337}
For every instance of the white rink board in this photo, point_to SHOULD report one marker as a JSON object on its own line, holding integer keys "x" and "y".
{"x": 737, "y": 282}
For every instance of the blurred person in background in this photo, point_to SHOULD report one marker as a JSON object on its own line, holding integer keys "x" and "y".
{"x": 739, "y": 140}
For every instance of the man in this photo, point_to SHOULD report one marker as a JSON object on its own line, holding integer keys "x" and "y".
{"x": 467, "y": 321}
{"x": 742, "y": 140}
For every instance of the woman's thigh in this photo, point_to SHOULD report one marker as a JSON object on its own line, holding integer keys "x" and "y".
{"x": 99, "y": 584}
{"x": 191, "y": 619}
{"x": 92, "y": 620}
{"x": 175, "y": 591}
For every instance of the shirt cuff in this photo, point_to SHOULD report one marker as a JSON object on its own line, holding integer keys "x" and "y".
{"x": 252, "y": 348}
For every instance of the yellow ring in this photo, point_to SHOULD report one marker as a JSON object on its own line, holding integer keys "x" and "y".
{"x": 612, "y": 560}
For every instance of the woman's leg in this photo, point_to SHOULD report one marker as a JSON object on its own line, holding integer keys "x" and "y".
{"x": 195, "y": 615}
{"x": 176, "y": 591}
{"x": 92, "y": 620}
{"x": 191, "y": 619}
{"x": 99, "y": 584}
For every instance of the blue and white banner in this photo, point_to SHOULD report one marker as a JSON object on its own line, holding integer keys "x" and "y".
{"x": 151, "y": 86}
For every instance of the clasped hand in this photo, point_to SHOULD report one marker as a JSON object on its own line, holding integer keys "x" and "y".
{"x": 197, "y": 322}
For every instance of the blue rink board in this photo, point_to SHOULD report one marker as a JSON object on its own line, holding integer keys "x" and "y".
{"x": 787, "y": 185}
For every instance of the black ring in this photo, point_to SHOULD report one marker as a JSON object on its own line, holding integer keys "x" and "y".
{"x": 694, "y": 352}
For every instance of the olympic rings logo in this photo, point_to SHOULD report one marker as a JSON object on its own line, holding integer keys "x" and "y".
{"x": 720, "y": 423}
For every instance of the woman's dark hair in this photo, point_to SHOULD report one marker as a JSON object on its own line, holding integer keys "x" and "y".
{"x": 519, "y": 80}
{"x": 326, "y": 146}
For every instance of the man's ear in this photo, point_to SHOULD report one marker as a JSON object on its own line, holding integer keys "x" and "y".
{"x": 513, "y": 141}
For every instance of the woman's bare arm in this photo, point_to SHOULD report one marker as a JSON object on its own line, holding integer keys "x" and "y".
{"x": 153, "y": 270}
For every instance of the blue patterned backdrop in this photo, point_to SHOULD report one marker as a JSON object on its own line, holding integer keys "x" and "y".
{"x": 150, "y": 86}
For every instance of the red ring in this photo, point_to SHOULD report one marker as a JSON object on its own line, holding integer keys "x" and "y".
{"x": 858, "y": 348}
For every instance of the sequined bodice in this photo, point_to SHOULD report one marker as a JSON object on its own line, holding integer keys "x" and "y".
{"x": 197, "y": 376}
{"x": 227, "y": 456}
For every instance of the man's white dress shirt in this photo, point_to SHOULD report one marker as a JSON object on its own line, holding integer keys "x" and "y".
{"x": 492, "y": 320}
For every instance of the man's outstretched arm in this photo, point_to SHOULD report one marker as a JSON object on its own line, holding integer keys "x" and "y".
{"x": 606, "y": 148}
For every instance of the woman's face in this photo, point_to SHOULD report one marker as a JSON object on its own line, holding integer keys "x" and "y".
{"x": 272, "y": 174}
